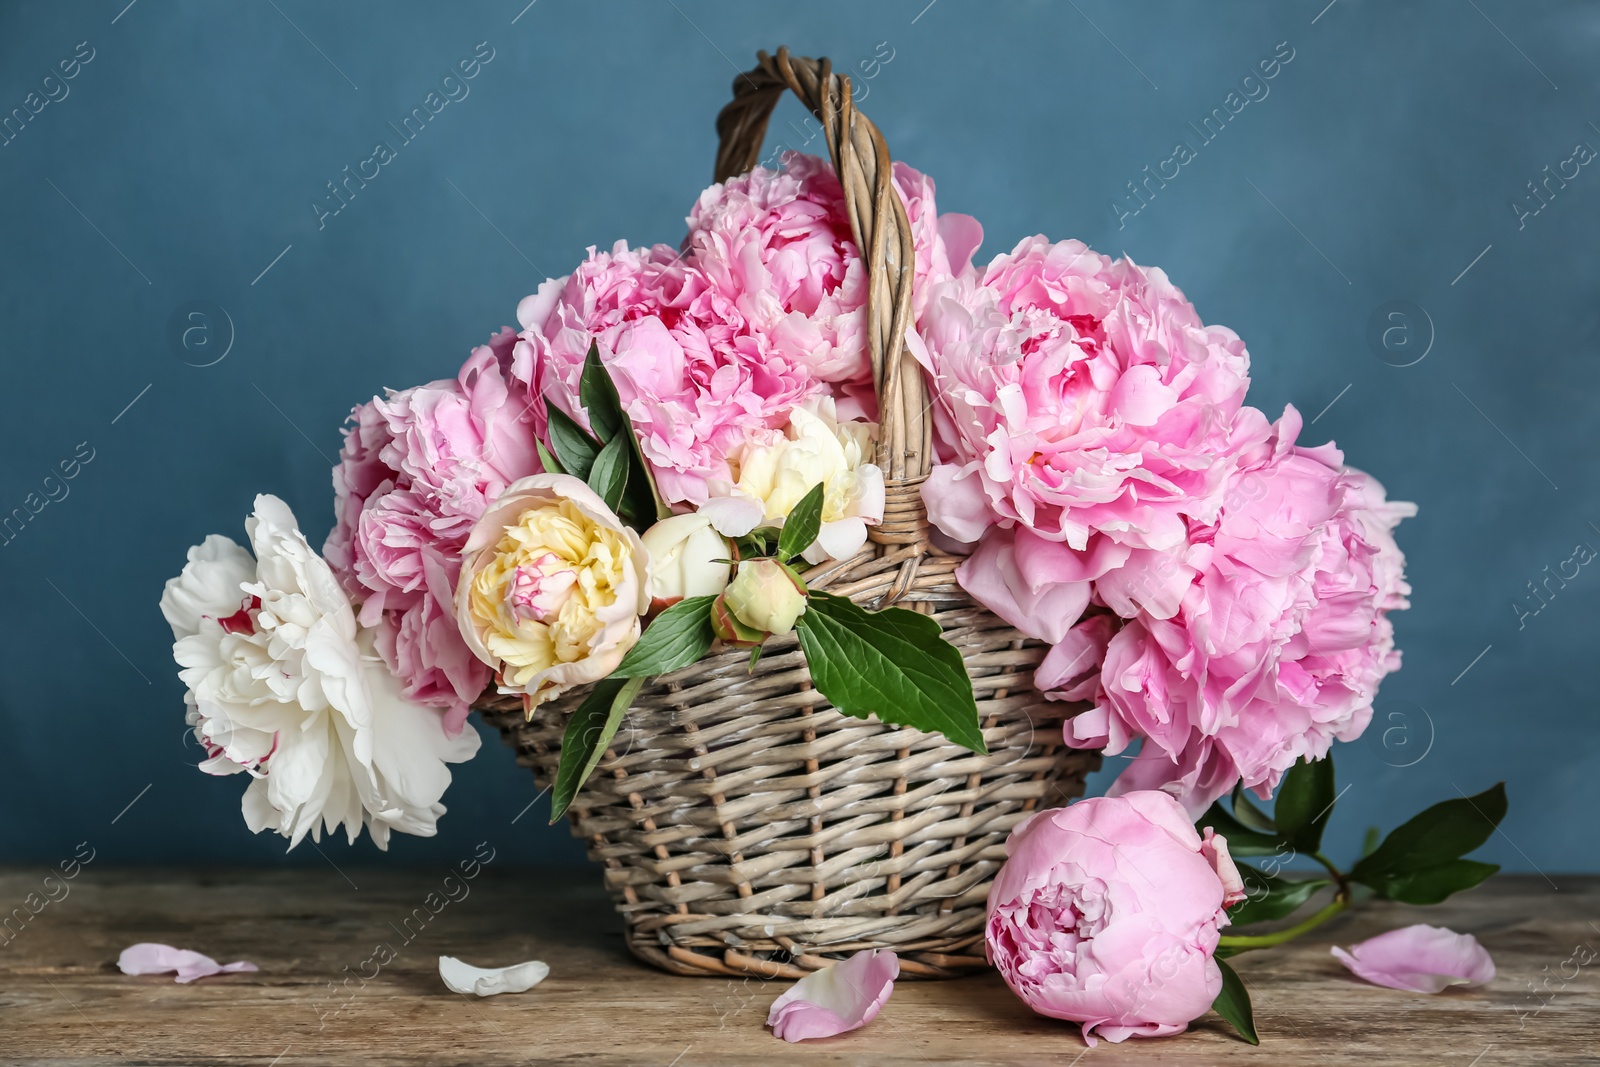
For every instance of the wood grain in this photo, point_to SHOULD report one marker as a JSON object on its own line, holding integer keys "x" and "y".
{"x": 62, "y": 1001}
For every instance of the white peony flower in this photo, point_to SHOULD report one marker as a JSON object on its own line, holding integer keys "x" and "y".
{"x": 773, "y": 477}
{"x": 684, "y": 551}
{"x": 284, "y": 686}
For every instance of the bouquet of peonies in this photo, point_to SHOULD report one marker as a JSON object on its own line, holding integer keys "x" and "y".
{"x": 677, "y": 441}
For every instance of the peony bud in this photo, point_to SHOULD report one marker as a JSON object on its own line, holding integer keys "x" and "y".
{"x": 683, "y": 552}
{"x": 766, "y": 595}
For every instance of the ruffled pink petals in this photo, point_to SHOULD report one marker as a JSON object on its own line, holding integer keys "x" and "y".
{"x": 845, "y": 996}
{"x": 147, "y": 957}
{"x": 1420, "y": 958}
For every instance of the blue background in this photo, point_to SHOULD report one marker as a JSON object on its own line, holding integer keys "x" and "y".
{"x": 1381, "y": 164}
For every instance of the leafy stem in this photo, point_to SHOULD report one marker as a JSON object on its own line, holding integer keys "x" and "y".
{"x": 1339, "y": 877}
{"x": 1246, "y": 942}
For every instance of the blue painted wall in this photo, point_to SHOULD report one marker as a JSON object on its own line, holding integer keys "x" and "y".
{"x": 1382, "y": 162}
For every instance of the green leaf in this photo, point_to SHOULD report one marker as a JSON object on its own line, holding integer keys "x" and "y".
{"x": 894, "y": 664}
{"x": 678, "y": 637}
{"x": 597, "y": 391}
{"x": 588, "y": 734}
{"x": 1270, "y": 897}
{"x": 572, "y": 444}
{"x": 598, "y": 395}
{"x": 1445, "y": 832}
{"x": 1304, "y": 802}
{"x": 1434, "y": 884}
{"x": 1369, "y": 841}
{"x": 641, "y": 499}
{"x": 800, "y": 529}
{"x": 755, "y": 657}
{"x": 1242, "y": 841}
{"x": 550, "y": 463}
{"x": 1245, "y": 810}
{"x": 1233, "y": 1004}
{"x": 609, "y": 475}
{"x": 758, "y": 542}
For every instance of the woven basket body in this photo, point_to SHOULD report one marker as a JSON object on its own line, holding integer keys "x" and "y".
{"x": 745, "y": 826}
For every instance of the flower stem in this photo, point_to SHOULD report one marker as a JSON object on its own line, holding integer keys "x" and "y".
{"x": 1338, "y": 875}
{"x": 1245, "y": 942}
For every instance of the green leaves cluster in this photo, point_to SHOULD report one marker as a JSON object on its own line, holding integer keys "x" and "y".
{"x": 894, "y": 663}
{"x": 1420, "y": 862}
{"x": 609, "y": 459}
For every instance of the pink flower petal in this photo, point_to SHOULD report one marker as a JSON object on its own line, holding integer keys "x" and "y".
{"x": 1214, "y": 847}
{"x": 1420, "y": 958}
{"x": 151, "y": 958}
{"x": 845, "y": 996}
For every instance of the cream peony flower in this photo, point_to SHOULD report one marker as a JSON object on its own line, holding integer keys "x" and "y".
{"x": 552, "y": 587}
{"x": 773, "y": 476}
{"x": 684, "y": 550}
{"x": 284, "y": 686}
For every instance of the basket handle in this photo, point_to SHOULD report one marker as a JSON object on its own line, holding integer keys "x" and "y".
{"x": 882, "y": 233}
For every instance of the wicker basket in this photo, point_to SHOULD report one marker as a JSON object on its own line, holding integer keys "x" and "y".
{"x": 746, "y": 827}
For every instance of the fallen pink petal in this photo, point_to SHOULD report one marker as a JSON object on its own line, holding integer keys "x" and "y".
{"x": 1420, "y": 958}
{"x": 845, "y": 996}
{"x": 148, "y": 957}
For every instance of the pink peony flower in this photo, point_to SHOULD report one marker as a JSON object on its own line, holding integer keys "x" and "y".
{"x": 1077, "y": 395}
{"x": 417, "y": 470}
{"x": 689, "y": 372}
{"x": 1420, "y": 959}
{"x": 1278, "y": 643}
{"x": 1107, "y": 914}
{"x": 761, "y": 310}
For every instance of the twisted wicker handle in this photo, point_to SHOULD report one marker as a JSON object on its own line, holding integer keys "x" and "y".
{"x": 882, "y": 233}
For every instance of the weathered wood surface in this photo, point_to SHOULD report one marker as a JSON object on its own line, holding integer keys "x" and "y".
{"x": 62, "y": 1000}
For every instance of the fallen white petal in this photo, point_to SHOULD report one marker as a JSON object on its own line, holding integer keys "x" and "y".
{"x": 487, "y": 981}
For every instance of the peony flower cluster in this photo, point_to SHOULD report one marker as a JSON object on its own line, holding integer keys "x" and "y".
{"x": 1213, "y": 588}
{"x": 417, "y": 470}
{"x": 458, "y": 563}
{"x": 1278, "y": 644}
{"x": 714, "y": 345}
{"x": 1217, "y": 592}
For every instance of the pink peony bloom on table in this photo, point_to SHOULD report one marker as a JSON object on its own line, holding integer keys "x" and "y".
{"x": 1279, "y": 643}
{"x": 841, "y": 997}
{"x": 417, "y": 470}
{"x": 1077, "y": 395}
{"x": 762, "y": 310}
{"x": 1420, "y": 958}
{"x": 1107, "y": 914}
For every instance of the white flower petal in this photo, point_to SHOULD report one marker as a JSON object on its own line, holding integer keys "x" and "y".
{"x": 488, "y": 981}
{"x": 734, "y": 515}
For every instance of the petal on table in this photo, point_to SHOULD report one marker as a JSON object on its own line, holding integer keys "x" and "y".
{"x": 148, "y": 957}
{"x": 1421, "y": 958}
{"x": 488, "y": 981}
{"x": 840, "y": 997}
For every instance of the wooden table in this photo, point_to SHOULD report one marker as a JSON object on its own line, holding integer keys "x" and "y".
{"x": 62, "y": 1000}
